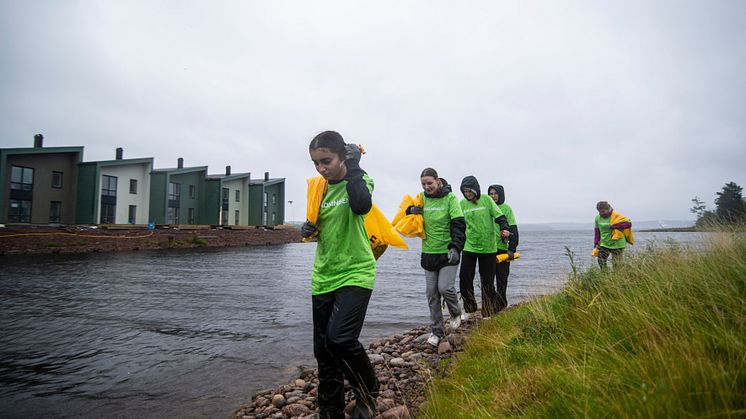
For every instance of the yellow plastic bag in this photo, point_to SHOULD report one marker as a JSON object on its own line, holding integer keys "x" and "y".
{"x": 380, "y": 232}
{"x": 504, "y": 257}
{"x": 594, "y": 252}
{"x": 616, "y": 218}
{"x": 412, "y": 225}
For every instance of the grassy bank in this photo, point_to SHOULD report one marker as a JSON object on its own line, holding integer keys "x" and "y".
{"x": 663, "y": 337}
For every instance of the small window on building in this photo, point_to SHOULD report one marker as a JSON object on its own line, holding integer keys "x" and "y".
{"x": 19, "y": 211}
{"x": 192, "y": 191}
{"x": 238, "y": 195}
{"x": 108, "y": 185}
{"x": 274, "y": 218}
{"x": 133, "y": 186}
{"x": 190, "y": 215}
{"x": 274, "y": 199}
{"x": 238, "y": 216}
{"x": 132, "y": 217}
{"x": 22, "y": 178}
{"x": 55, "y": 211}
{"x": 265, "y": 201}
{"x": 57, "y": 180}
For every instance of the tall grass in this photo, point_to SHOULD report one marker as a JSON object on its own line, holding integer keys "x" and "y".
{"x": 662, "y": 336}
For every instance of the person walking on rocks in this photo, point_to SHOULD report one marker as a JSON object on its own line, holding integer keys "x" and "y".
{"x": 444, "y": 239}
{"x": 504, "y": 246}
{"x": 611, "y": 234}
{"x": 481, "y": 214}
{"x": 342, "y": 280}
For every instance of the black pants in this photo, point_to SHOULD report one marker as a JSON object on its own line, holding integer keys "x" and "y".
{"x": 338, "y": 317}
{"x": 502, "y": 271}
{"x": 486, "y": 276}
{"x": 603, "y": 256}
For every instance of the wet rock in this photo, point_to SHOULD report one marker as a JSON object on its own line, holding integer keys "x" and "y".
{"x": 300, "y": 383}
{"x": 397, "y": 362}
{"x": 398, "y": 412}
{"x": 385, "y": 404}
{"x": 376, "y": 359}
{"x": 388, "y": 394}
{"x": 295, "y": 409}
{"x": 278, "y": 400}
{"x": 444, "y": 347}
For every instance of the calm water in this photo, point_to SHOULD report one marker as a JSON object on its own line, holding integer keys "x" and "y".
{"x": 192, "y": 333}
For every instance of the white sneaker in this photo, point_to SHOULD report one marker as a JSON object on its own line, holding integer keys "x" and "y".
{"x": 464, "y": 316}
{"x": 455, "y": 322}
{"x": 433, "y": 339}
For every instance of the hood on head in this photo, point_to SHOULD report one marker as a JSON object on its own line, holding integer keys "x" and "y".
{"x": 500, "y": 192}
{"x": 471, "y": 182}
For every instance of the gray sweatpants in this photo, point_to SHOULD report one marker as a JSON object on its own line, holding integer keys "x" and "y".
{"x": 441, "y": 284}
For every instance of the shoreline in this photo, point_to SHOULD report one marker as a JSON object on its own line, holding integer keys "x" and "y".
{"x": 33, "y": 240}
{"x": 405, "y": 365}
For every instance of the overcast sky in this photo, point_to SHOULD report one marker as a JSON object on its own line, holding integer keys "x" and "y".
{"x": 564, "y": 103}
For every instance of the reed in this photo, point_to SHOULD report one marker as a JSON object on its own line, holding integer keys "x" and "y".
{"x": 662, "y": 336}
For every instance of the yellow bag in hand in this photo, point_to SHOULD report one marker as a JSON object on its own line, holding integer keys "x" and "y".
{"x": 412, "y": 225}
{"x": 316, "y": 189}
{"x": 504, "y": 257}
{"x": 380, "y": 233}
{"x": 594, "y": 252}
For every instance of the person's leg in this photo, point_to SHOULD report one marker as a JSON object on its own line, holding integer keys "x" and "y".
{"x": 447, "y": 288}
{"x": 616, "y": 258}
{"x": 502, "y": 270}
{"x": 433, "y": 302}
{"x": 345, "y": 323}
{"x": 466, "y": 281}
{"x": 331, "y": 394}
{"x": 486, "y": 277}
{"x": 603, "y": 256}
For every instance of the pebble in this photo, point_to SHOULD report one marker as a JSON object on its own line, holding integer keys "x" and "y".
{"x": 278, "y": 400}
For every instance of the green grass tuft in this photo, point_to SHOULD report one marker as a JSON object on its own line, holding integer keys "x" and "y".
{"x": 663, "y": 336}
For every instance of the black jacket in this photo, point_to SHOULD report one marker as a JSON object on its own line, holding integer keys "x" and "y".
{"x": 360, "y": 198}
{"x": 513, "y": 240}
{"x": 457, "y": 227}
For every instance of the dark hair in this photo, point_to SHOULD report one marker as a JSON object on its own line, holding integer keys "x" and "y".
{"x": 602, "y": 204}
{"x": 331, "y": 140}
{"x": 429, "y": 171}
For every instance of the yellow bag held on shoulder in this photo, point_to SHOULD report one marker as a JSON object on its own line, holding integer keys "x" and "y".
{"x": 412, "y": 225}
{"x": 504, "y": 257}
{"x": 380, "y": 232}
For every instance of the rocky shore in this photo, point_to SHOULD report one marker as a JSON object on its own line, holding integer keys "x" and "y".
{"x": 405, "y": 365}
{"x": 76, "y": 239}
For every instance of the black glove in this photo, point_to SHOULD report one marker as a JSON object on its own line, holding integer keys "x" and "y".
{"x": 414, "y": 209}
{"x": 352, "y": 152}
{"x": 453, "y": 256}
{"x": 511, "y": 255}
{"x": 308, "y": 228}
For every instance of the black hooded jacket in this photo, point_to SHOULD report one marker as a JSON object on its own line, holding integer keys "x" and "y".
{"x": 471, "y": 182}
{"x": 513, "y": 240}
{"x": 457, "y": 227}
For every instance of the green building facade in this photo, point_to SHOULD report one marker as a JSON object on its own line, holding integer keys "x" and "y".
{"x": 267, "y": 201}
{"x": 176, "y": 195}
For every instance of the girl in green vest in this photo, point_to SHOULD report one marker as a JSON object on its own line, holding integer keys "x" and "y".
{"x": 509, "y": 245}
{"x": 342, "y": 280}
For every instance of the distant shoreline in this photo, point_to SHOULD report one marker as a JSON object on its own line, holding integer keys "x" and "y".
{"x": 691, "y": 229}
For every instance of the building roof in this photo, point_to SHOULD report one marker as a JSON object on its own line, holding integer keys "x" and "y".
{"x": 121, "y": 162}
{"x": 42, "y": 150}
{"x": 179, "y": 170}
{"x": 271, "y": 181}
{"x": 229, "y": 177}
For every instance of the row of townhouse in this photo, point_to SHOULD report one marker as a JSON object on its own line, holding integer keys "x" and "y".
{"x": 52, "y": 185}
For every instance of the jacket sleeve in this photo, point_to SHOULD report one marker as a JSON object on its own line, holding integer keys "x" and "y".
{"x": 458, "y": 233}
{"x": 622, "y": 225}
{"x": 360, "y": 198}
{"x": 596, "y": 236}
{"x": 513, "y": 239}
{"x": 503, "y": 222}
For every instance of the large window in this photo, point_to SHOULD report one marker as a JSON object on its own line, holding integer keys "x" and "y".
{"x": 133, "y": 186}
{"x": 108, "y": 185}
{"x": 132, "y": 216}
{"x": 108, "y": 213}
{"x": 19, "y": 211}
{"x": 22, "y": 178}
{"x": 238, "y": 216}
{"x": 238, "y": 195}
{"x": 174, "y": 191}
{"x": 55, "y": 211}
{"x": 172, "y": 215}
{"x": 57, "y": 180}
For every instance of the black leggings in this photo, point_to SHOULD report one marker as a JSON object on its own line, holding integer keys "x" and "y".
{"x": 502, "y": 270}
{"x": 486, "y": 275}
{"x": 338, "y": 317}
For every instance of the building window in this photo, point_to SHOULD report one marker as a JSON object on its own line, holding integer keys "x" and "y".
{"x": 190, "y": 214}
{"x": 55, "y": 211}
{"x": 224, "y": 217}
{"x": 274, "y": 199}
{"x": 172, "y": 215}
{"x": 133, "y": 186}
{"x": 265, "y": 201}
{"x": 22, "y": 178}
{"x": 237, "y": 217}
{"x": 57, "y": 180}
{"x": 108, "y": 185}
{"x": 108, "y": 213}
{"x": 226, "y": 197}
{"x": 238, "y": 196}
{"x": 192, "y": 191}
{"x": 274, "y": 218}
{"x": 19, "y": 211}
{"x": 174, "y": 191}
{"x": 132, "y": 217}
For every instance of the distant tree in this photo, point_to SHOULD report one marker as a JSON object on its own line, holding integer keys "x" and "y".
{"x": 731, "y": 207}
{"x": 698, "y": 208}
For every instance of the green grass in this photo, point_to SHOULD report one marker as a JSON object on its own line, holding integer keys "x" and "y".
{"x": 664, "y": 336}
